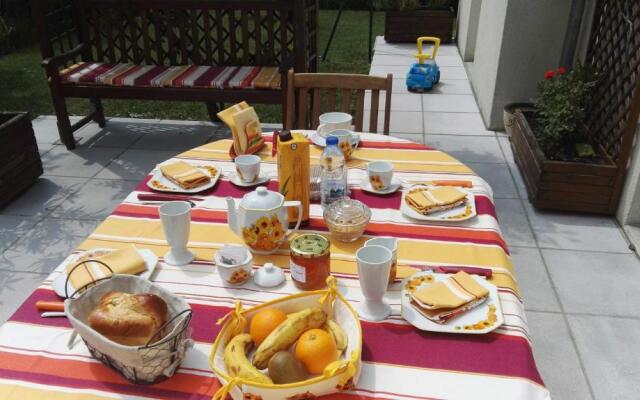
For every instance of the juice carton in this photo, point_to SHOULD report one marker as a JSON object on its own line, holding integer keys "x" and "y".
{"x": 293, "y": 172}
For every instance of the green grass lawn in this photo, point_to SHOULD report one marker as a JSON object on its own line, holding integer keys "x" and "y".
{"x": 23, "y": 85}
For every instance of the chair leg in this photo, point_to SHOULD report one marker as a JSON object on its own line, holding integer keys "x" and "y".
{"x": 64, "y": 124}
{"x": 213, "y": 109}
{"x": 98, "y": 112}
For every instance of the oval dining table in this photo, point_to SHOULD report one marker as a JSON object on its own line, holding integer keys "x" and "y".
{"x": 398, "y": 360}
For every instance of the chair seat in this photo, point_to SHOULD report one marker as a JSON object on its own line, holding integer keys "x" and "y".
{"x": 187, "y": 76}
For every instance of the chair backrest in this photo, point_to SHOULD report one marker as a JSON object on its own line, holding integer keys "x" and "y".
{"x": 336, "y": 90}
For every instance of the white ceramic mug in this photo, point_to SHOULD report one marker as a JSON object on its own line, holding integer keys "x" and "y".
{"x": 380, "y": 174}
{"x": 333, "y": 120}
{"x": 345, "y": 141}
{"x": 374, "y": 264}
{"x": 390, "y": 243}
{"x": 176, "y": 222}
{"x": 247, "y": 167}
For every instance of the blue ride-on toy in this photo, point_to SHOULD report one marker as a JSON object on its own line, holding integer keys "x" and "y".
{"x": 424, "y": 74}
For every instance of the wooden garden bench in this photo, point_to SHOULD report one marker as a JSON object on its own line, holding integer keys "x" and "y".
{"x": 210, "y": 51}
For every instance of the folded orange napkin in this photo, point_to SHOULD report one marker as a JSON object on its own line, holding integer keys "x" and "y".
{"x": 126, "y": 261}
{"x": 448, "y": 298}
{"x": 427, "y": 200}
{"x": 184, "y": 175}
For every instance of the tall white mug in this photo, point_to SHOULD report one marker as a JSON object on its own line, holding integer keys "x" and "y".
{"x": 374, "y": 264}
{"x": 176, "y": 223}
{"x": 333, "y": 120}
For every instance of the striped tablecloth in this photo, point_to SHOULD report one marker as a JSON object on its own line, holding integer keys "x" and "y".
{"x": 399, "y": 361}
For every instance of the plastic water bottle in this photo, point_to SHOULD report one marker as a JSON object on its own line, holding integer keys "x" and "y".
{"x": 333, "y": 179}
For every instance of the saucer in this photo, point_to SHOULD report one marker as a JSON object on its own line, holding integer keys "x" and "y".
{"x": 322, "y": 142}
{"x": 259, "y": 181}
{"x": 393, "y": 187}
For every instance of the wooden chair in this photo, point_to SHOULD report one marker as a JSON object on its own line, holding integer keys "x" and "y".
{"x": 339, "y": 90}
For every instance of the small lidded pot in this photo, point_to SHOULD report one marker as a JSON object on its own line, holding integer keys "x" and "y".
{"x": 310, "y": 261}
{"x": 234, "y": 264}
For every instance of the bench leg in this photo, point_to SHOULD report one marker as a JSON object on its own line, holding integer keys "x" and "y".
{"x": 213, "y": 109}
{"x": 98, "y": 112}
{"x": 64, "y": 125}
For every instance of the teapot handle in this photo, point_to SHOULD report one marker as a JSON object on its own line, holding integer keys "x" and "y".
{"x": 298, "y": 204}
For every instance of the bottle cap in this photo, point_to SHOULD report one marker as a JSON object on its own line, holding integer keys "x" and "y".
{"x": 285, "y": 136}
{"x": 332, "y": 141}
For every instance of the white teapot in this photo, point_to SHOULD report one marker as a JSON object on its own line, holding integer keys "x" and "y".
{"x": 262, "y": 219}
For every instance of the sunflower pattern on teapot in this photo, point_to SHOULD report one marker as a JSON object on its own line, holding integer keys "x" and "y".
{"x": 265, "y": 234}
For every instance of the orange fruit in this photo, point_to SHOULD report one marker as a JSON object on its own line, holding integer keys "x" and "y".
{"x": 264, "y": 322}
{"x": 316, "y": 349}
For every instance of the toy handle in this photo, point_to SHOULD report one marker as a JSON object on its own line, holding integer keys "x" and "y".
{"x": 428, "y": 39}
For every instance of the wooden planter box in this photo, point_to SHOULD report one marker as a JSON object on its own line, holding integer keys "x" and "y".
{"x": 20, "y": 164}
{"x": 562, "y": 185}
{"x": 407, "y": 26}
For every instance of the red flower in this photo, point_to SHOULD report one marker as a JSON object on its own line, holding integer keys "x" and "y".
{"x": 561, "y": 70}
{"x": 549, "y": 74}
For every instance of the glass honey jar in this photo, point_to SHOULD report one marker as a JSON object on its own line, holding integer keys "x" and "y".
{"x": 310, "y": 261}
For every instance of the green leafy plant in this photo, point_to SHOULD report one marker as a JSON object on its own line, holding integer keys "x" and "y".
{"x": 562, "y": 99}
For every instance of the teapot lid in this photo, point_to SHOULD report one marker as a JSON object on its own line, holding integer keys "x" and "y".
{"x": 262, "y": 199}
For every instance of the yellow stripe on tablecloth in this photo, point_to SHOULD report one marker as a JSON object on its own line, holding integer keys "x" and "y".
{"x": 18, "y": 392}
{"x": 404, "y": 160}
{"x": 206, "y": 237}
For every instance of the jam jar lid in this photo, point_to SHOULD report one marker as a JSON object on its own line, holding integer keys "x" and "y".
{"x": 309, "y": 245}
{"x": 347, "y": 212}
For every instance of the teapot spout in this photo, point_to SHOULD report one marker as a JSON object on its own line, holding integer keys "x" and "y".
{"x": 232, "y": 215}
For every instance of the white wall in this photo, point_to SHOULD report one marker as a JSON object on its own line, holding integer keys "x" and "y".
{"x": 518, "y": 40}
{"x": 468, "y": 18}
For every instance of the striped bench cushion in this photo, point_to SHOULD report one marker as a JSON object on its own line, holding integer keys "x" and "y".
{"x": 196, "y": 76}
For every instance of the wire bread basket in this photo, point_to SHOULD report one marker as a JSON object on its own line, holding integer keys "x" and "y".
{"x": 147, "y": 364}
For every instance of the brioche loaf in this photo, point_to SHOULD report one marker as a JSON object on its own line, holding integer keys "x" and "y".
{"x": 129, "y": 319}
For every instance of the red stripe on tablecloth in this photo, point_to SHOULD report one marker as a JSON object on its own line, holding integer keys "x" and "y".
{"x": 146, "y": 78}
{"x": 388, "y": 343}
{"x": 206, "y": 79}
{"x": 121, "y": 388}
{"x": 225, "y": 188}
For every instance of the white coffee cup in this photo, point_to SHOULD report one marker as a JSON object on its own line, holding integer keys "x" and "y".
{"x": 374, "y": 264}
{"x": 176, "y": 223}
{"x": 380, "y": 174}
{"x": 333, "y": 120}
{"x": 390, "y": 243}
{"x": 345, "y": 141}
{"x": 247, "y": 167}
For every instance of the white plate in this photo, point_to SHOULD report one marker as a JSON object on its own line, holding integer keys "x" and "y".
{"x": 322, "y": 142}
{"x": 452, "y": 215}
{"x": 259, "y": 181}
{"x": 58, "y": 284}
{"x": 456, "y": 324}
{"x": 171, "y": 187}
{"x": 393, "y": 187}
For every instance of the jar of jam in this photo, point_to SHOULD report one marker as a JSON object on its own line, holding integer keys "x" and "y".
{"x": 310, "y": 261}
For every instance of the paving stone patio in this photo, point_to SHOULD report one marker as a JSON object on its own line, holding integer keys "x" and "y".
{"x": 577, "y": 274}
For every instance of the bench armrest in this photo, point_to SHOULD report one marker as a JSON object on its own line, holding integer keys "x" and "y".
{"x": 52, "y": 64}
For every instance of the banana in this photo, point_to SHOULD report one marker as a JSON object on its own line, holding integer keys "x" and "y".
{"x": 287, "y": 333}
{"x": 339, "y": 335}
{"x": 235, "y": 359}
